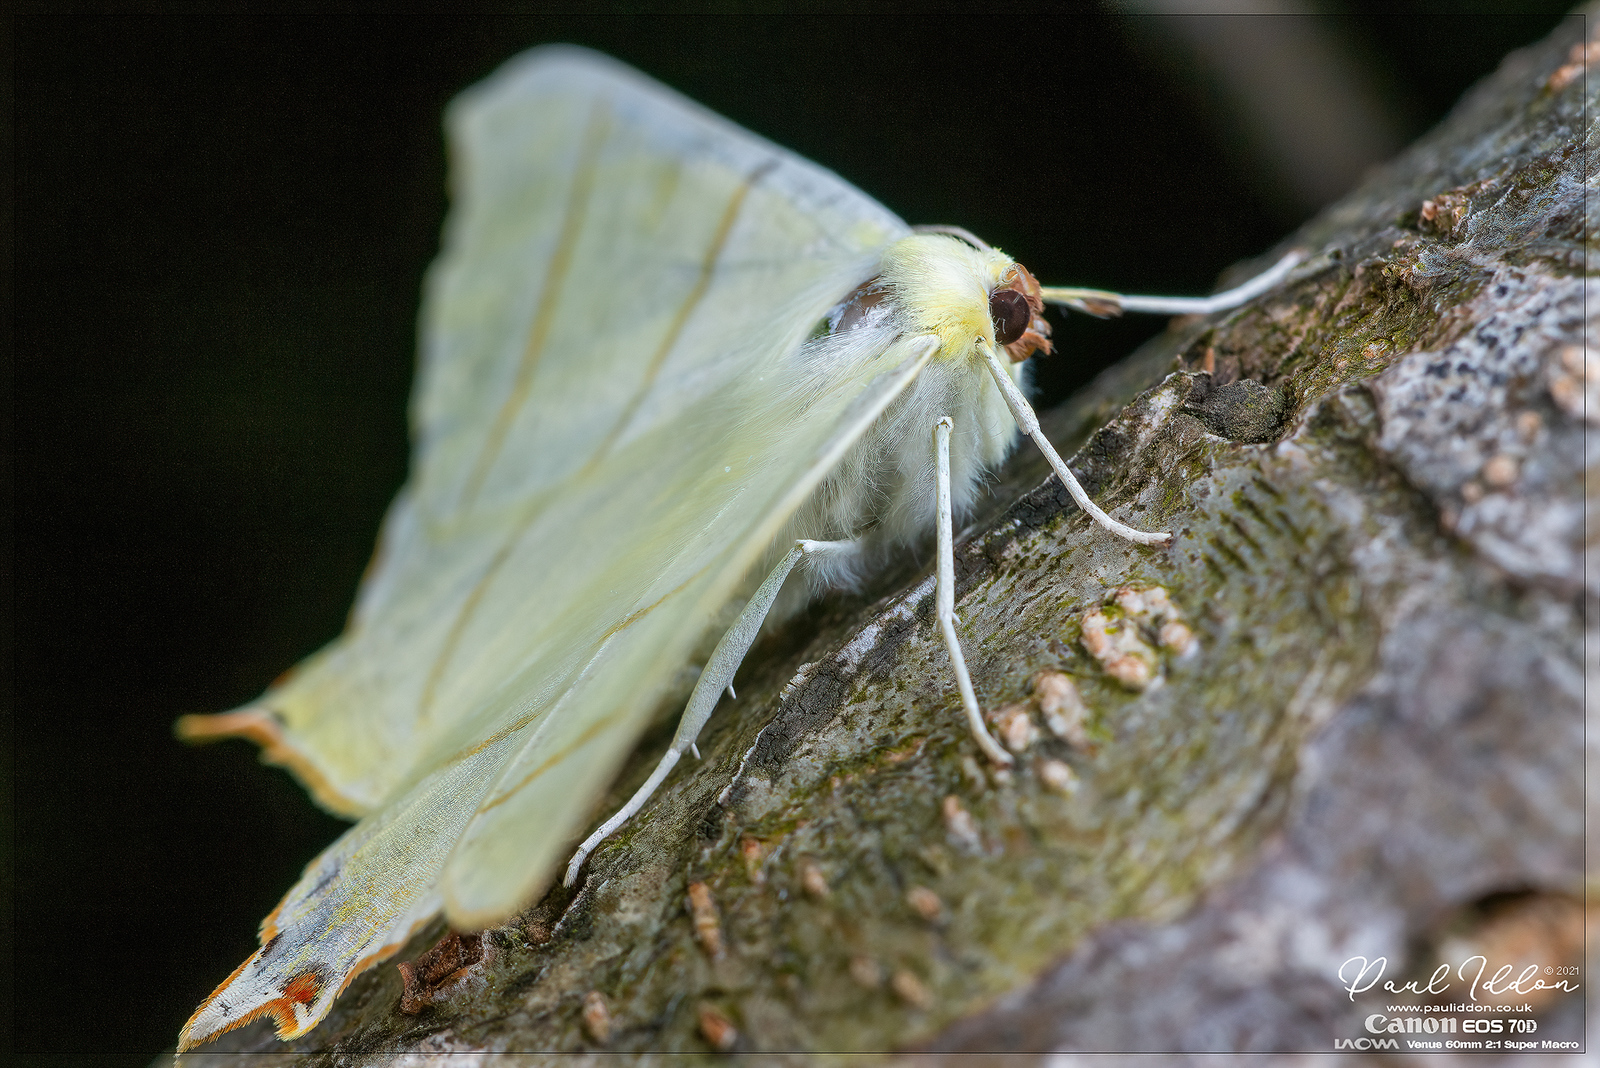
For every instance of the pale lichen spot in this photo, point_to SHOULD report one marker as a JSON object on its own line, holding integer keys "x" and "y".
{"x": 911, "y": 990}
{"x": 716, "y": 1028}
{"x": 925, "y": 903}
{"x": 960, "y": 826}
{"x": 1501, "y": 471}
{"x": 1176, "y": 637}
{"x": 1062, "y": 708}
{"x": 973, "y": 773}
{"x": 753, "y": 853}
{"x": 1132, "y": 671}
{"x": 596, "y": 1017}
{"x": 866, "y": 972}
{"x": 812, "y": 880}
{"x": 1116, "y": 644}
{"x": 703, "y": 911}
{"x": 1579, "y": 59}
{"x": 1573, "y": 379}
{"x": 1120, "y": 635}
{"x": 1058, "y": 777}
{"x": 1014, "y": 726}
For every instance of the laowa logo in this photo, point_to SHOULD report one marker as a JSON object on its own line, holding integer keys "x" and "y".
{"x": 1366, "y": 1043}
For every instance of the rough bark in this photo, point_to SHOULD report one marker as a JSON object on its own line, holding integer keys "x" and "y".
{"x": 1375, "y": 748}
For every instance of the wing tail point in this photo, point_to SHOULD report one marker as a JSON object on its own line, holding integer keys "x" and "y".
{"x": 264, "y": 726}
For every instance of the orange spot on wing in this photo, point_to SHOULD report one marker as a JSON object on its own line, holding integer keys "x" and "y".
{"x": 300, "y": 990}
{"x": 269, "y": 926}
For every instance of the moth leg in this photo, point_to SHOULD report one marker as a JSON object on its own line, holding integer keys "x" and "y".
{"x": 1022, "y": 411}
{"x": 717, "y": 676}
{"x": 945, "y": 598}
{"x": 1103, "y": 303}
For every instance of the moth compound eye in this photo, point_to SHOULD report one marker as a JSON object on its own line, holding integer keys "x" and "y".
{"x": 1011, "y": 314}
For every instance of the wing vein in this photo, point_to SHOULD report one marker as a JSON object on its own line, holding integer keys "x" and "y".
{"x": 574, "y": 215}
{"x": 593, "y": 731}
{"x": 577, "y": 203}
{"x": 469, "y": 606}
{"x": 590, "y": 733}
{"x": 697, "y": 293}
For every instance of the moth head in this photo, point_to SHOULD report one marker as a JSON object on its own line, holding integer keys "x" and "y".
{"x": 964, "y": 294}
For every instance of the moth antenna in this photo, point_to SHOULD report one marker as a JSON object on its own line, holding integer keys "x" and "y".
{"x": 1103, "y": 303}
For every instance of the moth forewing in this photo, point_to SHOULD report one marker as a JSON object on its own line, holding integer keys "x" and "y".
{"x": 601, "y": 438}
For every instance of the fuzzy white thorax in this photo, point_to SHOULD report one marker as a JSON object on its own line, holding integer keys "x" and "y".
{"x": 881, "y": 496}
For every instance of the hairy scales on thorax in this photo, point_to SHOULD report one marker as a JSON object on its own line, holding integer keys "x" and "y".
{"x": 880, "y": 498}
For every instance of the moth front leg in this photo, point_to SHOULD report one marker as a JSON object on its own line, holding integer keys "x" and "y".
{"x": 945, "y": 597}
{"x": 716, "y": 677}
{"x": 1023, "y": 412}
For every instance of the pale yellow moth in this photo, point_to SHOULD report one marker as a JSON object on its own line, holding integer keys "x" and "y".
{"x": 660, "y": 358}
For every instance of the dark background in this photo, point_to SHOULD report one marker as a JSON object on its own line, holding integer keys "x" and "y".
{"x": 221, "y": 226}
